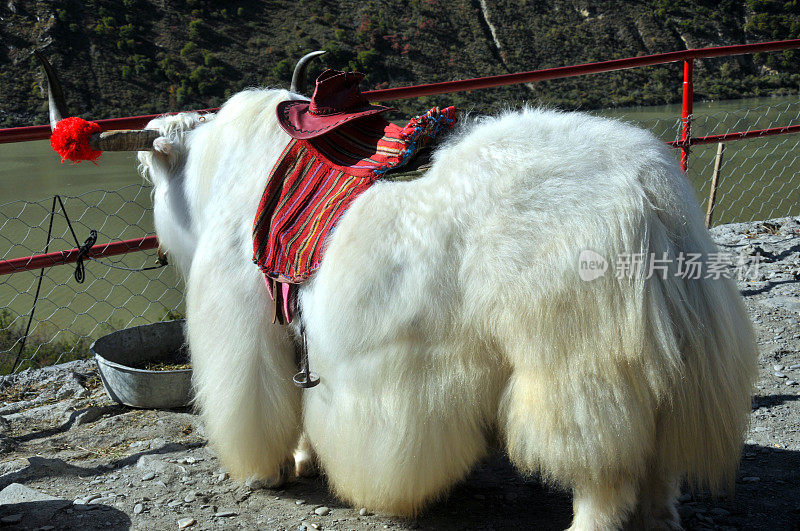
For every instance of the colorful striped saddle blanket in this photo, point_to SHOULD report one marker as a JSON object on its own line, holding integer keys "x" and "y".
{"x": 313, "y": 183}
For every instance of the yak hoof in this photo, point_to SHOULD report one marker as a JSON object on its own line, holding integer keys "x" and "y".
{"x": 305, "y": 465}
{"x": 272, "y": 482}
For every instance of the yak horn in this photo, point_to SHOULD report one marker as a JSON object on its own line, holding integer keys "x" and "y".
{"x": 56, "y": 103}
{"x": 123, "y": 140}
{"x": 299, "y": 76}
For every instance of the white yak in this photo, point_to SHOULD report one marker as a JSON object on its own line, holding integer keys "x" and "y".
{"x": 451, "y": 308}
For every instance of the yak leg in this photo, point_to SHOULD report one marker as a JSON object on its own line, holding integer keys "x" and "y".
{"x": 650, "y": 505}
{"x": 305, "y": 461}
{"x": 395, "y": 421}
{"x": 656, "y": 508}
{"x": 588, "y": 429}
{"x": 384, "y": 444}
{"x": 242, "y": 366}
{"x": 547, "y": 432}
{"x": 602, "y": 507}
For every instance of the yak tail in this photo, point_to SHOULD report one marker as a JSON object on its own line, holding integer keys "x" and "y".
{"x": 702, "y": 420}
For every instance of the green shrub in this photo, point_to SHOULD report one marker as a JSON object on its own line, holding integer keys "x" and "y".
{"x": 368, "y": 60}
{"x": 338, "y": 53}
{"x": 205, "y": 87}
{"x": 127, "y": 31}
{"x": 210, "y": 58}
{"x": 198, "y": 74}
{"x": 283, "y": 70}
{"x": 105, "y": 26}
{"x": 125, "y": 44}
{"x": 168, "y": 67}
{"x": 141, "y": 63}
{"x": 181, "y": 95}
{"x": 189, "y": 50}
{"x": 195, "y": 29}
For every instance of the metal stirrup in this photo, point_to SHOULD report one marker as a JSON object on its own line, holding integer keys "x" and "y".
{"x": 305, "y": 379}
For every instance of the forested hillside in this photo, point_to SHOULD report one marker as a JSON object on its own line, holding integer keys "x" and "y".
{"x": 127, "y": 57}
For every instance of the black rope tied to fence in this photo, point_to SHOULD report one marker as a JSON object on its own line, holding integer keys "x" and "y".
{"x": 80, "y": 268}
{"x": 83, "y": 252}
{"x": 160, "y": 261}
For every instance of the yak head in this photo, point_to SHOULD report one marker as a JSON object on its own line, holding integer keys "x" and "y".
{"x": 163, "y": 147}
{"x": 135, "y": 139}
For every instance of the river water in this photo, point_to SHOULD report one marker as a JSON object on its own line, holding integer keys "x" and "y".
{"x": 759, "y": 179}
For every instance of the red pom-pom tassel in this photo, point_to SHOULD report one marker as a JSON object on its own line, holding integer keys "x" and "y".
{"x": 70, "y": 139}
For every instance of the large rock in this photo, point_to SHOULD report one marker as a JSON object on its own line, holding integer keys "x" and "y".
{"x": 17, "y": 499}
{"x": 19, "y": 493}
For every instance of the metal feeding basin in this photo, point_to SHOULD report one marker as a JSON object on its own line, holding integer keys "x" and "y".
{"x": 137, "y": 365}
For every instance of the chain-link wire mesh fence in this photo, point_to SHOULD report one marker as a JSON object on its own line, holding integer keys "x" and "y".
{"x": 68, "y": 315}
{"x": 759, "y": 180}
{"x": 759, "y": 177}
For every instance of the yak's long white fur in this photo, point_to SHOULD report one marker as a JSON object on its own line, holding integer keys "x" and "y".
{"x": 242, "y": 362}
{"x": 450, "y": 306}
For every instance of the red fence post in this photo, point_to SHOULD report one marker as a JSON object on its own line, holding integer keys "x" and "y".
{"x": 686, "y": 115}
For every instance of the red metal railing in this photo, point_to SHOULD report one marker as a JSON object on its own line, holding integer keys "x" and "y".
{"x": 742, "y": 135}
{"x": 41, "y": 132}
{"x": 70, "y": 256}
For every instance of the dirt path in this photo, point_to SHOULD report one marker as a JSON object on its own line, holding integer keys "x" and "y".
{"x": 83, "y": 462}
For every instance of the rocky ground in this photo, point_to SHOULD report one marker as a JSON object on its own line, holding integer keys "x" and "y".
{"x": 70, "y": 458}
